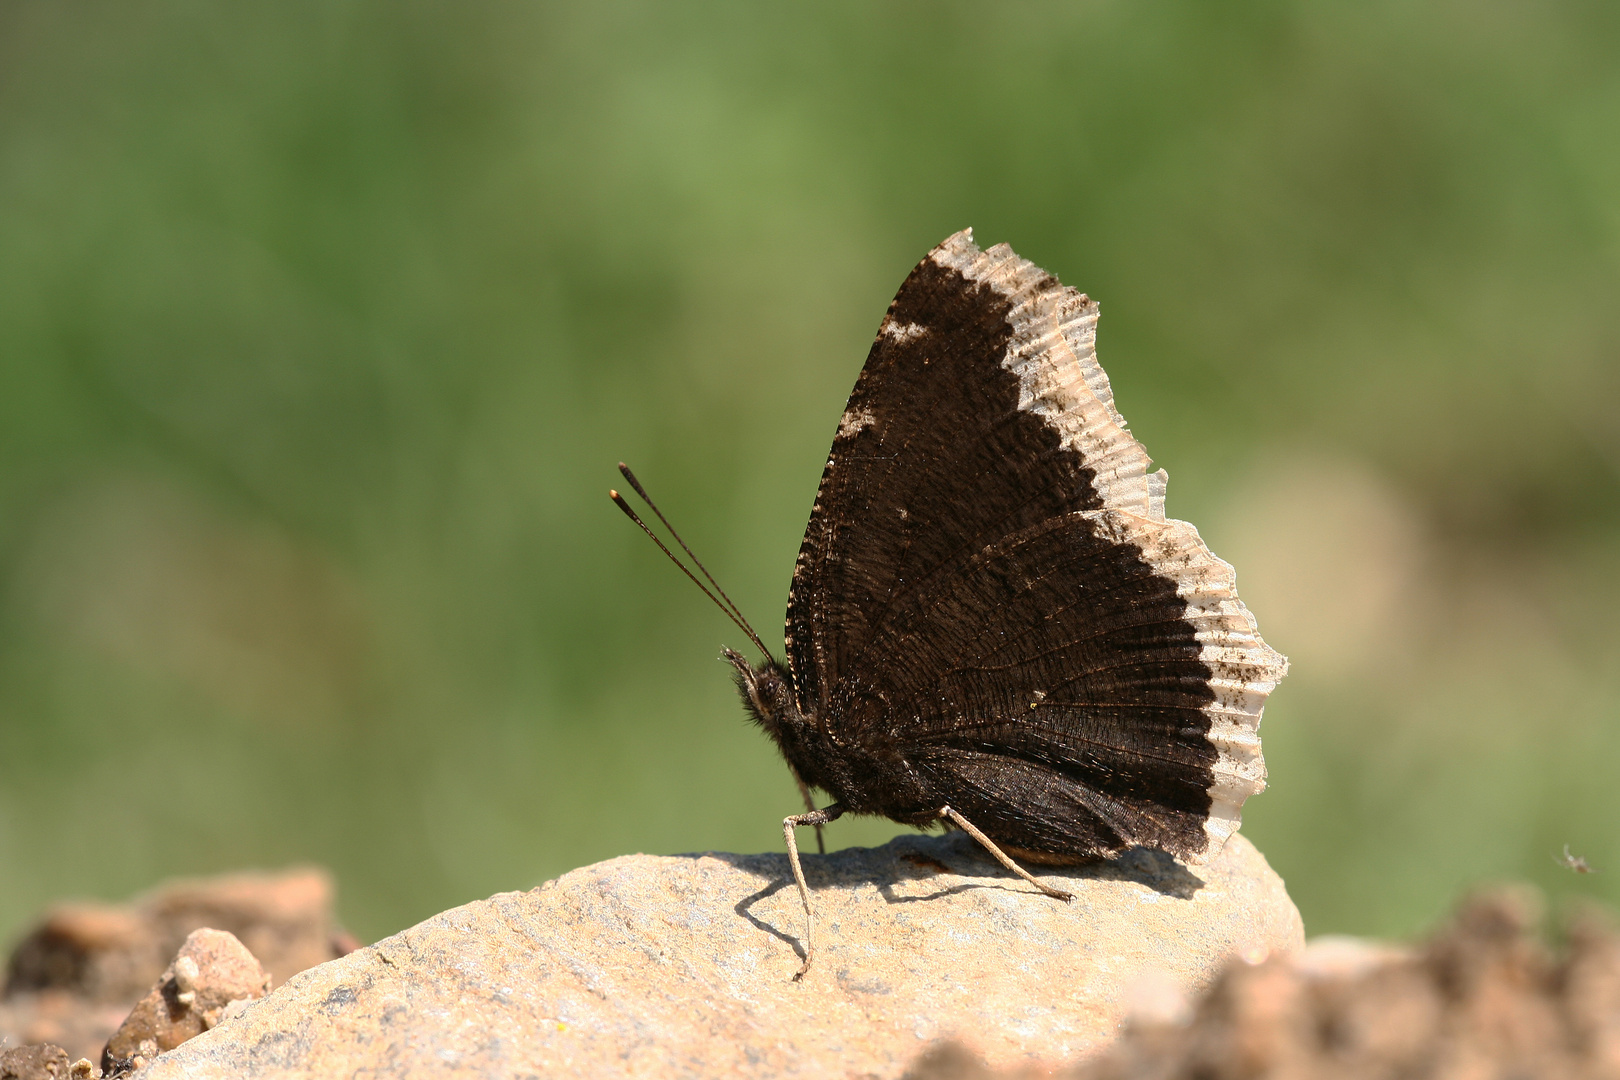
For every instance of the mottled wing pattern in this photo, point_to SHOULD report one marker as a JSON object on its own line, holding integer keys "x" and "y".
{"x": 988, "y": 586}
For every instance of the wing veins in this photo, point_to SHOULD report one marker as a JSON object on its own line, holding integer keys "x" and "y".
{"x": 1122, "y": 751}
{"x": 1085, "y": 795}
{"x": 1065, "y": 644}
{"x": 1031, "y": 629}
{"x": 1086, "y": 671}
{"x": 965, "y": 552}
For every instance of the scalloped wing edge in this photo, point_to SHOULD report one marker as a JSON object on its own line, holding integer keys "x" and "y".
{"x": 1244, "y": 670}
{"x": 1054, "y": 354}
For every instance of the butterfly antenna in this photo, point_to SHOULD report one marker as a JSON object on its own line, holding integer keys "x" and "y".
{"x": 735, "y": 611}
{"x": 729, "y": 607}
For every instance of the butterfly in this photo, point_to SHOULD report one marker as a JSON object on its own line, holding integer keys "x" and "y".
{"x": 992, "y": 623}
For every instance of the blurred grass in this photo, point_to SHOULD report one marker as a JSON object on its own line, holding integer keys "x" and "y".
{"x": 323, "y": 324}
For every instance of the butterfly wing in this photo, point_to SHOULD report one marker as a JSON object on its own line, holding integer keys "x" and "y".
{"x": 988, "y": 588}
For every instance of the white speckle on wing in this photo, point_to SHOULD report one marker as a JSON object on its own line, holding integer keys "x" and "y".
{"x": 903, "y": 332}
{"x": 855, "y": 421}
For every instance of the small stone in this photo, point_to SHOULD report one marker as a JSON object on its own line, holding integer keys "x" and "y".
{"x": 73, "y": 978}
{"x": 212, "y": 971}
{"x": 683, "y": 966}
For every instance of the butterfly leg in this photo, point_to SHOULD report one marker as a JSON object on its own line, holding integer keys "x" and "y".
{"x": 1001, "y": 856}
{"x": 810, "y": 805}
{"x": 817, "y": 818}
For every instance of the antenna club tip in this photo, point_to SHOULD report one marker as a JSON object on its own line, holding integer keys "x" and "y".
{"x": 613, "y": 494}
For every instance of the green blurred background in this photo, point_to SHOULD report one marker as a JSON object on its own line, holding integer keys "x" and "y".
{"x": 322, "y": 326}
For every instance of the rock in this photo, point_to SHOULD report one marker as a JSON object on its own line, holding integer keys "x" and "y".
{"x": 99, "y": 951}
{"x": 75, "y": 976}
{"x": 285, "y": 920}
{"x": 41, "y": 1061}
{"x": 682, "y": 966}
{"x": 212, "y": 972}
{"x": 79, "y": 1024}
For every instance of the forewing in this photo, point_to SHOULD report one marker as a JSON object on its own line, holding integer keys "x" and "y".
{"x": 958, "y": 432}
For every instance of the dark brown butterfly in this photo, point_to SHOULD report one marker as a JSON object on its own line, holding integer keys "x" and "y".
{"x": 992, "y": 622}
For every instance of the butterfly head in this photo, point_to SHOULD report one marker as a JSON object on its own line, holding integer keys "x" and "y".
{"x": 767, "y": 694}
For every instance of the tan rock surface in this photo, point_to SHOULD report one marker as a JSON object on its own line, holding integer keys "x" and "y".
{"x": 682, "y": 966}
